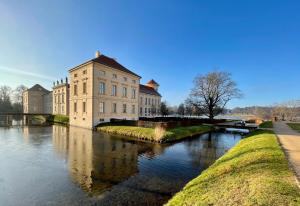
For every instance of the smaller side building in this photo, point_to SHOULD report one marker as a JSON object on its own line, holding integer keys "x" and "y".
{"x": 37, "y": 100}
{"x": 61, "y": 92}
{"x": 149, "y": 99}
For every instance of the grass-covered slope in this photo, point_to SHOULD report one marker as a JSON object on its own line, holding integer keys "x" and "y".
{"x": 183, "y": 132}
{"x": 58, "y": 118}
{"x": 266, "y": 124}
{"x": 155, "y": 135}
{"x": 294, "y": 126}
{"x": 254, "y": 172}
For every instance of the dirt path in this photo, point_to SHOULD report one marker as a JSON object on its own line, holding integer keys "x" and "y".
{"x": 290, "y": 141}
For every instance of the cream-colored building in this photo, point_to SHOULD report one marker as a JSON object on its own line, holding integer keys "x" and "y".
{"x": 149, "y": 99}
{"x": 61, "y": 97}
{"x": 102, "y": 89}
{"x": 37, "y": 100}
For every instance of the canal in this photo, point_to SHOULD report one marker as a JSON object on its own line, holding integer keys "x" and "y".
{"x": 56, "y": 165}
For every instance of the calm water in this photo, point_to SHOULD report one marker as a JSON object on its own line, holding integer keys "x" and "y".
{"x": 55, "y": 165}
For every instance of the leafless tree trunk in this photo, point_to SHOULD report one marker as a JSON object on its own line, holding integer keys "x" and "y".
{"x": 212, "y": 92}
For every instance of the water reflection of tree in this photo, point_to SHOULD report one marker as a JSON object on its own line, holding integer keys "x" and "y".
{"x": 205, "y": 150}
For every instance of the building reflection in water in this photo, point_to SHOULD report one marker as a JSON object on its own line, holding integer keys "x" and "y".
{"x": 95, "y": 161}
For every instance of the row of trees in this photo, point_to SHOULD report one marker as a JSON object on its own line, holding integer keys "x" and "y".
{"x": 211, "y": 93}
{"x": 11, "y": 99}
{"x": 288, "y": 110}
{"x": 209, "y": 96}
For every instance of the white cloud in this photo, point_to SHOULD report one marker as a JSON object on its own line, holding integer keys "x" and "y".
{"x": 26, "y": 73}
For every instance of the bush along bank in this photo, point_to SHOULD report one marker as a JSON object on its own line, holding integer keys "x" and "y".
{"x": 254, "y": 172}
{"x": 156, "y": 135}
{"x": 58, "y": 118}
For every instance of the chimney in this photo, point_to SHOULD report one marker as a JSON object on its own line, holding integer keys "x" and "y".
{"x": 97, "y": 54}
{"x": 67, "y": 80}
{"x": 61, "y": 81}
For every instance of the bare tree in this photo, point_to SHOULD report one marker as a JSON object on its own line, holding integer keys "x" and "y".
{"x": 164, "y": 109}
{"x": 18, "y": 94}
{"x": 288, "y": 110}
{"x": 181, "y": 110}
{"x": 212, "y": 92}
{"x": 5, "y": 100}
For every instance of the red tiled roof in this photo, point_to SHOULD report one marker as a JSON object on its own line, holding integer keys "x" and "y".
{"x": 148, "y": 90}
{"x": 152, "y": 82}
{"x": 110, "y": 62}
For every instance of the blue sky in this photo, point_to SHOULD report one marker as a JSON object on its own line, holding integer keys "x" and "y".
{"x": 169, "y": 41}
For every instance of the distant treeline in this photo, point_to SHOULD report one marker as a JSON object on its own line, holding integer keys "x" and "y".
{"x": 11, "y": 99}
{"x": 289, "y": 110}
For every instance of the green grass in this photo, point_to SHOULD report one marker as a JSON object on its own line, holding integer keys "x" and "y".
{"x": 183, "y": 132}
{"x": 146, "y": 133}
{"x": 294, "y": 126}
{"x": 254, "y": 172}
{"x": 266, "y": 124}
{"x": 156, "y": 135}
{"x": 39, "y": 118}
{"x": 58, "y": 118}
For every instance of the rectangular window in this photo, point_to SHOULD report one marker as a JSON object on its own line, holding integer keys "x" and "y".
{"x": 141, "y": 111}
{"x": 141, "y": 100}
{"x": 75, "y": 75}
{"x": 146, "y": 111}
{"x": 133, "y": 94}
{"x": 75, "y": 106}
{"x": 101, "y": 107}
{"x": 124, "y": 92}
{"x": 84, "y": 88}
{"x": 63, "y": 98}
{"x": 102, "y": 88}
{"x": 133, "y": 109}
{"x": 83, "y": 107}
{"x": 146, "y": 101}
{"x": 152, "y": 101}
{"x": 114, "y": 90}
{"x": 114, "y": 107}
{"x": 102, "y": 73}
{"x": 124, "y": 108}
{"x": 75, "y": 89}
{"x": 114, "y": 76}
{"x": 84, "y": 71}
{"x": 133, "y": 81}
{"x": 125, "y": 79}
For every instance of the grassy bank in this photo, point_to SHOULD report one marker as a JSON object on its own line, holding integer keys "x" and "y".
{"x": 294, "y": 126}
{"x": 266, "y": 124}
{"x": 58, "y": 118}
{"x": 155, "y": 134}
{"x": 254, "y": 172}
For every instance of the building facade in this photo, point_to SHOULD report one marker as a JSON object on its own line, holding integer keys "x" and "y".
{"x": 61, "y": 91}
{"x": 102, "y": 89}
{"x": 149, "y": 99}
{"x": 37, "y": 100}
